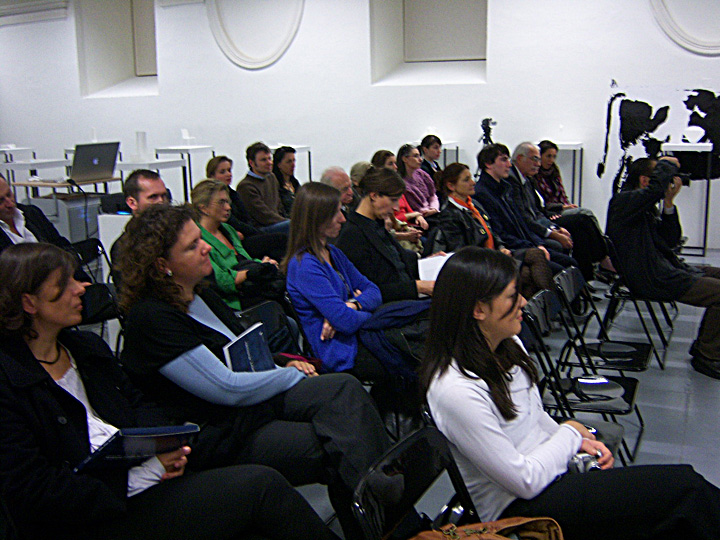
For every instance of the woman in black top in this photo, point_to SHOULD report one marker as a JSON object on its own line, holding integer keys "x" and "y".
{"x": 284, "y": 171}
{"x": 62, "y": 394}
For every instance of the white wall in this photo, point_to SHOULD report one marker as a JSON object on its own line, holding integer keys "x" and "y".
{"x": 548, "y": 73}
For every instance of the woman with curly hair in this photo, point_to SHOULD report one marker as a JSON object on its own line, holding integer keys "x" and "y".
{"x": 311, "y": 429}
{"x": 63, "y": 395}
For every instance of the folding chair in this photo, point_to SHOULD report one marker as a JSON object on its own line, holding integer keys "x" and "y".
{"x": 620, "y": 293}
{"x": 608, "y": 396}
{"x": 605, "y": 353}
{"x": 385, "y": 499}
{"x": 88, "y": 251}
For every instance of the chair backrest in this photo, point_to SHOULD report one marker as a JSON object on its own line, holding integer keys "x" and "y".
{"x": 570, "y": 283}
{"x": 385, "y": 498}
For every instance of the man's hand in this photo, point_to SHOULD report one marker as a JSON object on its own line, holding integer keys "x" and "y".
{"x": 672, "y": 190}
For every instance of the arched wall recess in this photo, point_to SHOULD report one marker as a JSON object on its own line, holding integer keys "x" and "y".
{"x": 254, "y": 33}
{"x": 670, "y": 26}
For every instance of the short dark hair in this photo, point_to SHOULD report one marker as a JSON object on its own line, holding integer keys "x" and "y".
{"x": 254, "y": 149}
{"x": 214, "y": 163}
{"x": 383, "y": 181}
{"x": 639, "y": 167}
{"x": 380, "y": 157}
{"x": 429, "y": 140}
{"x": 470, "y": 276}
{"x": 23, "y": 270}
{"x": 131, "y": 187}
{"x": 490, "y": 153}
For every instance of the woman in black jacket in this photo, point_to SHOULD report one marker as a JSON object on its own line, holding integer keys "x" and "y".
{"x": 62, "y": 395}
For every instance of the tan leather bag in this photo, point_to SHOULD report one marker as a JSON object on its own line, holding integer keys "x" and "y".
{"x": 538, "y": 528}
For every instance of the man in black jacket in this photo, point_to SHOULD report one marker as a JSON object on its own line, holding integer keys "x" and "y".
{"x": 643, "y": 241}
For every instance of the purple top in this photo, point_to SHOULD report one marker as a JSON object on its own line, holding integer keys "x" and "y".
{"x": 420, "y": 192}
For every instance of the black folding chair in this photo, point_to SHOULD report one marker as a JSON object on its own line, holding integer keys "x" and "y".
{"x": 385, "y": 499}
{"x": 88, "y": 251}
{"x": 609, "y": 396}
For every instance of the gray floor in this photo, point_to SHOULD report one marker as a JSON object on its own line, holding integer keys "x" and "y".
{"x": 679, "y": 406}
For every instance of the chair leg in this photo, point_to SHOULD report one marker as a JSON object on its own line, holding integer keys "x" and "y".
{"x": 649, "y": 336}
{"x": 665, "y": 313}
{"x": 656, "y": 322}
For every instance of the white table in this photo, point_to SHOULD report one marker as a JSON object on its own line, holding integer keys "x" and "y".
{"x": 298, "y": 148}
{"x": 186, "y": 151}
{"x": 157, "y": 165}
{"x": 702, "y": 148}
{"x": 32, "y": 186}
{"x": 33, "y": 165}
{"x": 577, "y": 167}
{"x": 10, "y": 151}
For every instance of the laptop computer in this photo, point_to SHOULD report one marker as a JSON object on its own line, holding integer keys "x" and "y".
{"x": 94, "y": 161}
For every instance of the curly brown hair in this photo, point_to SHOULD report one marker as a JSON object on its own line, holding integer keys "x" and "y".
{"x": 148, "y": 237}
{"x": 23, "y": 270}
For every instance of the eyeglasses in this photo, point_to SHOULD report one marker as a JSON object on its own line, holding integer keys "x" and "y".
{"x": 534, "y": 159}
{"x": 223, "y": 202}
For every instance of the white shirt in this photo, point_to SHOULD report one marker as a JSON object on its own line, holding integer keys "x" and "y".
{"x": 24, "y": 236}
{"x": 500, "y": 460}
{"x": 141, "y": 477}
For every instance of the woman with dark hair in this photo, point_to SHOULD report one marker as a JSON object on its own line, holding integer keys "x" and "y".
{"x": 463, "y": 222}
{"x": 284, "y": 171}
{"x": 548, "y": 180}
{"x": 404, "y": 213}
{"x": 384, "y": 158}
{"x": 368, "y": 244}
{"x": 331, "y": 297}
{"x": 431, "y": 147}
{"x": 63, "y": 395}
{"x": 311, "y": 429}
{"x": 482, "y": 392}
{"x": 420, "y": 188}
{"x": 230, "y": 262}
{"x": 257, "y": 243}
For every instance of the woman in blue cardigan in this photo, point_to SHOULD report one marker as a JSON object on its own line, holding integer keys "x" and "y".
{"x": 331, "y": 297}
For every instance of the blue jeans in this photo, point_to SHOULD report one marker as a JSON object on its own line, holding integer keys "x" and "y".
{"x": 280, "y": 226}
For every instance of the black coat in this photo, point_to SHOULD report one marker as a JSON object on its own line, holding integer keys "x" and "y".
{"x": 45, "y": 434}
{"x": 525, "y": 201}
{"x": 360, "y": 242}
{"x": 39, "y": 225}
{"x": 458, "y": 228}
{"x": 641, "y": 239}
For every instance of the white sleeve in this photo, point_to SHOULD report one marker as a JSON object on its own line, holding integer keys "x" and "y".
{"x": 470, "y": 421}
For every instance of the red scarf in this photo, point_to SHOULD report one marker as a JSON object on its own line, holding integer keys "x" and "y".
{"x": 490, "y": 243}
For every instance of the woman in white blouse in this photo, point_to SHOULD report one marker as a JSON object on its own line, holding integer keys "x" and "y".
{"x": 481, "y": 389}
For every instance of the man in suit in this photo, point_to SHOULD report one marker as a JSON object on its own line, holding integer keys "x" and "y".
{"x": 259, "y": 191}
{"x": 339, "y": 179}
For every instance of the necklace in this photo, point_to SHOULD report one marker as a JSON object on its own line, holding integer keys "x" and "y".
{"x": 57, "y": 358}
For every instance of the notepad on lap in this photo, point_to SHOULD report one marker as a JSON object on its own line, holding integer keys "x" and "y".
{"x": 249, "y": 351}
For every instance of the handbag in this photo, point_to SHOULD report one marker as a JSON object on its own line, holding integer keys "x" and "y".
{"x": 535, "y": 528}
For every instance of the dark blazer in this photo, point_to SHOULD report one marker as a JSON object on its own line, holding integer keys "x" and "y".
{"x": 428, "y": 168}
{"x": 458, "y": 228}
{"x": 525, "y": 201}
{"x": 360, "y": 242}
{"x": 39, "y": 225}
{"x": 45, "y": 434}
{"x": 650, "y": 267}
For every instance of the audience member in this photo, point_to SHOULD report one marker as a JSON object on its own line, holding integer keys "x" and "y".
{"x": 63, "y": 395}
{"x": 357, "y": 171}
{"x": 230, "y": 262}
{"x": 492, "y": 192}
{"x": 463, "y": 222}
{"x": 311, "y": 429}
{"x": 419, "y": 187}
{"x": 549, "y": 182}
{"x": 482, "y": 392}
{"x": 284, "y": 171}
{"x": 259, "y": 191}
{"x": 643, "y": 241}
{"x": 257, "y": 243}
{"x": 577, "y": 228}
{"x": 431, "y": 147}
{"x": 371, "y": 248}
{"x": 339, "y": 179}
{"x": 384, "y": 158}
{"x": 23, "y": 223}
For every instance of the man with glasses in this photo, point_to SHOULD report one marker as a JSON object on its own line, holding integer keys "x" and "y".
{"x": 493, "y": 192}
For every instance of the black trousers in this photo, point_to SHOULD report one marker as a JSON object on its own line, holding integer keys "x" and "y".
{"x": 327, "y": 430}
{"x": 639, "y": 502}
{"x": 588, "y": 243}
{"x": 705, "y": 292}
{"x": 232, "y": 503}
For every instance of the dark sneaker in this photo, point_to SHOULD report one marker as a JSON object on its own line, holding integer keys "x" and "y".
{"x": 708, "y": 367}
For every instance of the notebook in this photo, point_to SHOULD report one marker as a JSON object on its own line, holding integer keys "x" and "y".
{"x": 249, "y": 351}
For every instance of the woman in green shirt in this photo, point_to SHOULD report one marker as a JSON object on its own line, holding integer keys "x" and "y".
{"x": 212, "y": 202}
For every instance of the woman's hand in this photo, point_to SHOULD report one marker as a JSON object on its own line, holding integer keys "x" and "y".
{"x": 306, "y": 367}
{"x": 545, "y": 252}
{"x": 420, "y": 222}
{"x": 328, "y": 332}
{"x": 240, "y": 278}
{"x": 425, "y": 287}
{"x": 411, "y": 235}
{"x": 600, "y": 451}
{"x": 569, "y": 206}
{"x": 506, "y": 251}
{"x": 174, "y": 462}
{"x": 430, "y": 212}
{"x": 269, "y": 260}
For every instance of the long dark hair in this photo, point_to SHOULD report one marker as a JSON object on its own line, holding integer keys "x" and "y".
{"x": 315, "y": 205}
{"x": 470, "y": 276}
{"x": 278, "y": 156}
{"x": 403, "y": 152}
{"x": 23, "y": 270}
{"x": 450, "y": 174}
